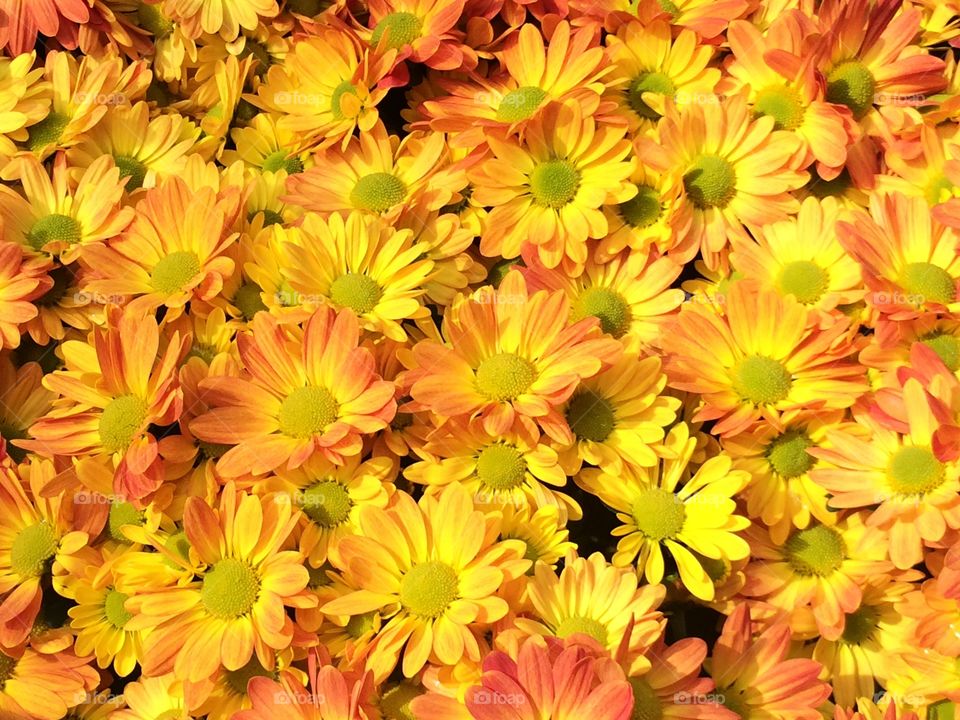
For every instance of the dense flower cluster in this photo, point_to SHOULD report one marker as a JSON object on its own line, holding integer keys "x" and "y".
{"x": 479, "y": 359}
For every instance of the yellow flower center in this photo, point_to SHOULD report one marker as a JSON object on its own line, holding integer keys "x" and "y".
{"x": 554, "y": 183}
{"x": 33, "y": 550}
{"x": 344, "y": 88}
{"x": 248, "y": 300}
{"x": 179, "y": 545}
{"x": 53, "y": 228}
{"x": 710, "y": 182}
{"x": 47, "y": 132}
{"x": 121, "y": 421}
{"x": 279, "y": 160}
{"x": 505, "y": 376}
{"x": 803, "y": 279}
{"x": 360, "y": 293}
{"x": 377, "y": 192}
{"x": 428, "y": 589}
{"x": 852, "y": 84}
{"x": 230, "y": 589}
{"x": 646, "y": 704}
{"x": 761, "y": 380}
{"x": 401, "y": 28}
{"x": 501, "y": 467}
{"x": 658, "y": 514}
{"x": 860, "y": 625}
{"x": 915, "y": 471}
{"x": 590, "y": 415}
{"x": 818, "y": 550}
{"x": 607, "y": 305}
{"x": 307, "y": 411}
{"x": 237, "y": 680}
{"x": 173, "y": 272}
{"x": 120, "y": 515}
{"x": 929, "y": 282}
{"x": 946, "y": 346}
{"x": 783, "y": 104}
{"x": 648, "y": 82}
{"x": 788, "y": 454}
{"x": 395, "y": 702}
{"x": 327, "y": 503}
{"x": 359, "y": 625}
{"x": 114, "y": 610}
{"x": 131, "y": 167}
{"x": 520, "y": 104}
{"x": 585, "y": 625}
{"x": 643, "y": 209}
{"x": 151, "y": 19}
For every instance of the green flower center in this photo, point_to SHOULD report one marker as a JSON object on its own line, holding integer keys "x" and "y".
{"x": 279, "y": 160}
{"x": 151, "y": 19}
{"x": 584, "y": 625}
{"x": 710, "y": 182}
{"x": 852, "y": 84}
{"x": 803, "y": 279}
{"x": 788, "y": 454}
{"x": 318, "y": 576}
{"x": 931, "y": 283}
{"x": 33, "y": 550}
{"x": 237, "y": 680}
{"x": 54, "y": 228}
{"x": 307, "y": 411}
{"x": 122, "y": 514}
{"x": 248, "y": 300}
{"x": 173, "y": 272}
{"x": 360, "y": 293}
{"x": 669, "y": 7}
{"x": 230, "y": 589}
{"x": 648, "y": 82}
{"x": 47, "y": 132}
{"x": 500, "y": 269}
{"x": 395, "y": 702}
{"x": 820, "y": 188}
{"x": 860, "y": 625}
{"x": 520, "y": 104}
{"x": 646, "y": 704}
{"x": 9, "y": 432}
{"x": 428, "y": 589}
{"x": 818, "y": 550}
{"x": 761, "y": 380}
{"x": 501, "y": 467}
{"x": 643, "y": 209}
{"x": 946, "y": 346}
{"x": 377, "y": 192}
{"x": 114, "y": 610}
{"x": 359, "y": 625}
{"x": 131, "y": 167}
{"x": 607, "y": 305}
{"x": 659, "y": 514}
{"x": 270, "y": 217}
{"x": 344, "y": 88}
{"x": 590, "y": 415}
{"x": 943, "y": 710}
{"x": 179, "y": 545}
{"x": 554, "y": 183}
{"x": 783, "y": 104}
{"x": 505, "y": 376}
{"x": 121, "y": 421}
{"x": 401, "y": 28}
{"x": 213, "y": 451}
{"x": 8, "y": 666}
{"x": 327, "y": 503}
{"x": 915, "y": 471}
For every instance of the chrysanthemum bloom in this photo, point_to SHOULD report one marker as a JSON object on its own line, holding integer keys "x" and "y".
{"x": 25, "y": 19}
{"x": 38, "y": 541}
{"x": 937, "y": 617}
{"x": 237, "y": 604}
{"x": 146, "y": 150}
{"x": 326, "y": 87}
{"x": 592, "y": 597}
{"x": 432, "y": 569}
{"x": 21, "y": 284}
{"x": 649, "y": 63}
{"x": 376, "y": 172}
{"x": 735, "y": 170}
{"x": 153, "y": 697}
{"x": 423, "y": 31}
{"x": 926, "y": 167}
{"x": 44, "y": 687}
{"x": 818, "y": 571}
{"x": 221, "y": 17}
{"x": 618, "y": 417}
{"x": 263, "y": 146}
{"x": 909, "y": 259}
{"x": 509, "y": 355}
{"x": 58, "y": 219}
{"x": 658, "y": 512}
{"x": 24, "y": 100}
{"x": 916, "y": 489}
{"x": 544, "y": 531}
{"x": 764, "y": 358}
{"x": 860, "y": 655}
{"x": 866, "y": 53}
{"x": 362, "y": 263}
{"x": 534, "y": 75}
{"x": 332, "y": 696}
{"x": 707, "y": 18}
{"x": 318, "y": 393}
{"x": 331, "y": 497}
{"x": 781, "y": 492}
{"x": 513, "y": 468}
{"x": 548, "y": 189}
{"x": 23, "y": 400}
